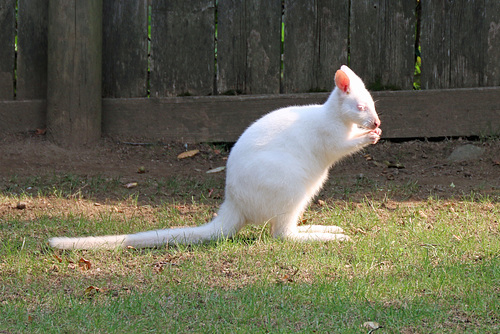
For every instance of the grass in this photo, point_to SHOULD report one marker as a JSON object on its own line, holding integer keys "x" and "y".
{"x": 413, "y": 266}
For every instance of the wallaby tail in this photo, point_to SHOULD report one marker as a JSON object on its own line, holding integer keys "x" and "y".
{"x": 225, "y": 225}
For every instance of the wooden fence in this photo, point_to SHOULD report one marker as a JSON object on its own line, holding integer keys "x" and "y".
{"x": 203, "y": 70}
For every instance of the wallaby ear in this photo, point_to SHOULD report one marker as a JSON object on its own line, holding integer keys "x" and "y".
{"x": 342, "y": 81}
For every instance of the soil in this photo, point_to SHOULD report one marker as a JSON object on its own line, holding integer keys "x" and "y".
{"x": 405, "y": 170}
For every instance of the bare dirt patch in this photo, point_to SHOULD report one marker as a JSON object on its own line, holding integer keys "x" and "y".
{"x": 408, "y": 170}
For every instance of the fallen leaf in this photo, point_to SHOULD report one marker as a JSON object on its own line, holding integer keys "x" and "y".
{"x": 287, "y": 278}
{"x": 141, "y": 170}
{"x": 58, "y": 258}
{"x": 371, "y": 325}
{"x": 188, "y": 154}
{"x": 359, "y": 230}
{"x": 84, "y": 264}
{"x": 158, "y": 267}
{"x": 92, "y": 289}
{"x": 394, "y": 165}
{"x": 390, "y": 206}
{"x": 40, "y": 132}
{"x": 422, "y": 214}
{"x": 131, "y": 185}
{"x": 216, "y": 170}
{"x": 21, "y": 205}
{"x": 117, "y": 210}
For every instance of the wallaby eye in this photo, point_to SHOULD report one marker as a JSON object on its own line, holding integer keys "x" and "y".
{"x": 361, "y": 107}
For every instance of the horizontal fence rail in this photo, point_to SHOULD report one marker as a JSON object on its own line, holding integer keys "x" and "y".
{"x": 171, "y": 63}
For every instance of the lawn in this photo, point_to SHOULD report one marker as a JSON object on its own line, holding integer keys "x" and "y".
{"x": 428, "y": 265}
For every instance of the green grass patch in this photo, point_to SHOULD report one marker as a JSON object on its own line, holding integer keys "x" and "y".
{"x": 412, "y": 266}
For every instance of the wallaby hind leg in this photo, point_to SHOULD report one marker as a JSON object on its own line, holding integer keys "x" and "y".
{"x": 318, "y": 236}
{"x": 285, "y": 226}
{"x": 320, "y": 229}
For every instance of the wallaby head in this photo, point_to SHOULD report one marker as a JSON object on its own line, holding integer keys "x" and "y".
{"x": 356, "y": 105}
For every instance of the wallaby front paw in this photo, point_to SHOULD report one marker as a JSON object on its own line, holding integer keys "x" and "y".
{"x": 374, "y": 135}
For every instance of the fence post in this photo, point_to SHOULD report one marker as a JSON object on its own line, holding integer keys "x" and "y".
{"x": 74, "y": 80}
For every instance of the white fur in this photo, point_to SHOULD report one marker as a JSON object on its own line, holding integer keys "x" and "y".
{"x": 274, "y": 170}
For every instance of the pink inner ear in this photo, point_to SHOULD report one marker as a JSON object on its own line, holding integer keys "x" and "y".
{"x": 342, "y": 81}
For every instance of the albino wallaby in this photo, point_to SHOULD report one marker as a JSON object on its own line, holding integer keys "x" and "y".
{"x": 275, "y": 168}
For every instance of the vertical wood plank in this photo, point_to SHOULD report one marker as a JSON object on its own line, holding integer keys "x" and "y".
{"x": 182, "y": 47}
{"x": 32, "y": 49}
{"x": 492, "y": 31}
{"x": 315, "y": 44}
{"x": 466, "y": 38}
{"x": 301, "y": 46}
{"x": 125, "y": 48}
{"x": 435, "y": 43}
{"x": 7, "y": 51}
{"x": 249, "y": 46}
{"x": 74, "y": 78}
{"x": 263, "y": 37}
{"x": 460, "y": 44}
{"x": 383, "y": 42}
{"x": 231, "y": 47}
{"x": 333, "y": 20}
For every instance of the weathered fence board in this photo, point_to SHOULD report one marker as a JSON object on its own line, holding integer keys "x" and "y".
{"x": 7, "y": 52}
{"x": 435, "y": 36}
{"x": 22, "y": 116}
{"x": 492, "y": 22}
{"x": 74, "y": 72}
{"x": 404, "y": 114}
{"x": 439, "y": 113}
{"x": 333, "y": 41}
{"x": 32, "y": 49}
{"x": 249, "y": 46}
{"x": 458, "y": 39}
{"x": 231, "y": 47}
{"x": 182, "y": 47}
{"x": 125, "y": 48}
{"x": 221, "y": 118}
{"x": 315, "y": 45}
{"x": 382, "y": 42}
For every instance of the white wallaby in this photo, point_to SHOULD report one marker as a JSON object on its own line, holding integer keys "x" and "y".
{"x": 274, "y": 170}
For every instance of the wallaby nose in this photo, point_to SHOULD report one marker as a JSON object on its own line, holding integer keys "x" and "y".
{"x": 376, "y": 123}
